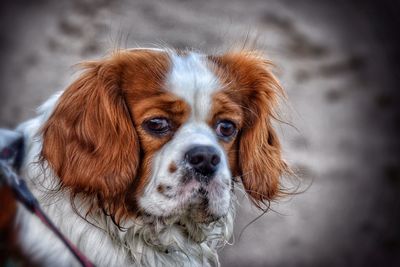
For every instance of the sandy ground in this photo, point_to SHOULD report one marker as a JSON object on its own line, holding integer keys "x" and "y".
{"x": 334, "y": 67}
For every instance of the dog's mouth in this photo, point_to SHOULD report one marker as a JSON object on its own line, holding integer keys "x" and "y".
{"x": 193, "y": 199}
{"x": 196, "y": 209}
{"x": 209, "y": 197}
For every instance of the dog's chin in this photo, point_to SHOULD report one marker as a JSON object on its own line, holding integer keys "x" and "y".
{"x": 199, "y": 210}
{"x": 196, "y": 211}
{"x": 196, "y": 214}
{"x": 202, "y": 216}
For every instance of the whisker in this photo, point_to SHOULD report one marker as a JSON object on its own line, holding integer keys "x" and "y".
{"x": 251, "y": 222}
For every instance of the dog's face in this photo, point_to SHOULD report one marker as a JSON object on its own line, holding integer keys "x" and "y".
{"x": 163, "y": 133}
{"x": 189, "y": 169}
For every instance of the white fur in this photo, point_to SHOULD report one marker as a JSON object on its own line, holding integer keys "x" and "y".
{"x": 191, "y": 80}
{"x": 146, "y": 240}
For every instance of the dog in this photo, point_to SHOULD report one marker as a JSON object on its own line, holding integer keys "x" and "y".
{"x": 137, "y": 161}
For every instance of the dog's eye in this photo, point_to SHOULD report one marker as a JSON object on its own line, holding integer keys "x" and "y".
{"x": 158, "y": 126}
{"x": 225, "y": 129}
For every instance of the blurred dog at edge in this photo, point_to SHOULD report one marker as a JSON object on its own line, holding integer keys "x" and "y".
{"x": 138, "y": 160}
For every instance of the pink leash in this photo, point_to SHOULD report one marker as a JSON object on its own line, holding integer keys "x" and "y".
{"x": 11, "y": 147}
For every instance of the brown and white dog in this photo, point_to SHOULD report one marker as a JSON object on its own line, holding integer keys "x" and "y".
{"x": 137, "y": 160}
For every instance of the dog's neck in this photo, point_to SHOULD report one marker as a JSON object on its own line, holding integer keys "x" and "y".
{"x": 150, "y": 240}
{"x": 143, "y": 241}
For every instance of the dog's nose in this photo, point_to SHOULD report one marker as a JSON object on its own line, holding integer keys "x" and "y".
{"x": 203, "y": 159}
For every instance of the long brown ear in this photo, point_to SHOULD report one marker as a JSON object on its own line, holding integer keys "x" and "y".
{"x": 259, "y": 158}
{"x": 89, "y": 140}
{"x": 260, "y": 161}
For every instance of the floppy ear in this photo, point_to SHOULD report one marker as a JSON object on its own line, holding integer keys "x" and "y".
{"x": 259, "y": 154}
{"x": 260, "y": 161}
{"x": 89, "y": 140}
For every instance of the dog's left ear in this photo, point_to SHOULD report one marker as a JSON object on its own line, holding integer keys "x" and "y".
{"x": 259, "y": 154}
{"x": 260, "y": 160}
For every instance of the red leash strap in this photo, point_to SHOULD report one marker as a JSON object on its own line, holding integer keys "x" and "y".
{"x": 74, "y": 250}
{"x": 9, "y": 178}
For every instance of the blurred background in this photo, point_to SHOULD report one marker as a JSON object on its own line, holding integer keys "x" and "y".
{"x": 339, "y": 63}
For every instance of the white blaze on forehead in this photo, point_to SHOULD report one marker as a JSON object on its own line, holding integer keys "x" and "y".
{"x": 191, "y": 79}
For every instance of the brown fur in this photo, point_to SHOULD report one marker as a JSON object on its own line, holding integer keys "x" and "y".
{"x": 256, "y": 153}
{"x": 90, "y": 140}
{"x": 224, "y": 107}
{"x": 7, "y": 229}
{"x": 172, "y": 168}
{"x": 159, "y": 104}
{"x": 10, "y": 250}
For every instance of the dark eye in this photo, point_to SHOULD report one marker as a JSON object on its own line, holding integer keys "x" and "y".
{"x": 158, "y": 126}
{"x": 225, "y": 129}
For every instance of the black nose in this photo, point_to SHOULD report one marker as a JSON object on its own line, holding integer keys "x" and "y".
{"x": 203, "y": 159}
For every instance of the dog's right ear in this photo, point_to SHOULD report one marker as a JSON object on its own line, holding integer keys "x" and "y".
{"x": 90, "y": 141}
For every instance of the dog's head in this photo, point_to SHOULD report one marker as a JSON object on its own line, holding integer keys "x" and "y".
{"x": 162, "y": 133}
